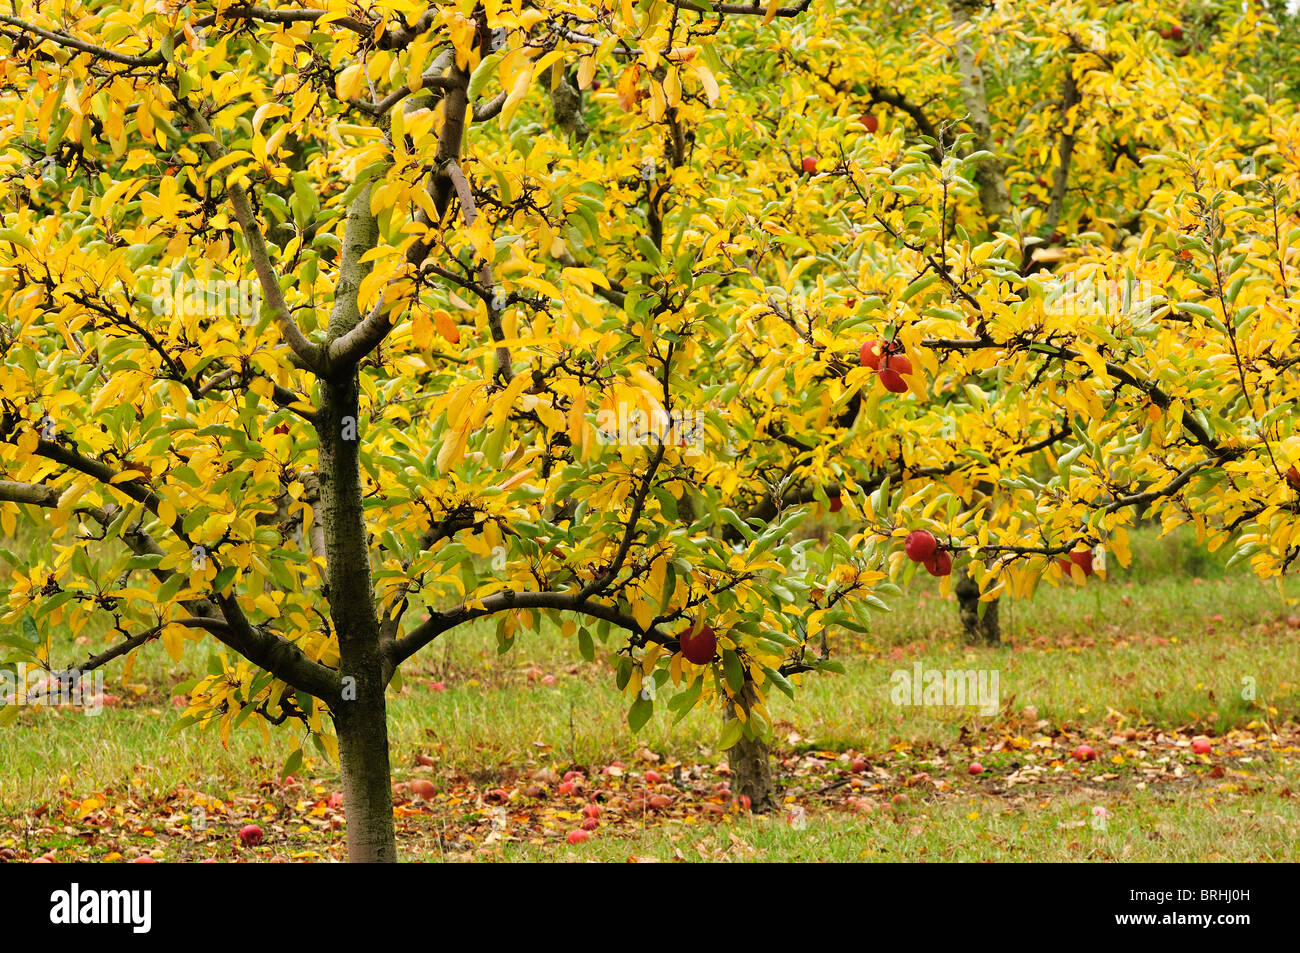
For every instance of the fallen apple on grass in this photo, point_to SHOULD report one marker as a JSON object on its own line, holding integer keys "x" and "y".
{"x": 1202, "y": 746}
{"x": 250, "y": 835}
{"x": 1085, "y": 753}
{"x": 424, "y": 789}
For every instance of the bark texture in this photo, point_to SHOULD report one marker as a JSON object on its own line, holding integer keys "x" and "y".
{"x": 751, "y": 766}
{"x": 990, "y": 176}
{"x": 986, "y": 630}
{"x": 361, "y": 716}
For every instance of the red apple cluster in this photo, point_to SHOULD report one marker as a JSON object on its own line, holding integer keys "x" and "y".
{"x": 886, "y": 358}
{"x": 922, "y": 547}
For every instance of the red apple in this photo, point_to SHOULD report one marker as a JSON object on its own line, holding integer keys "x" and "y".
{"x": 920, "y": 545}
{"x": 566, "y": 788}
{"x": 590, "y": 824}
{"x": 893, "y": 381}
{"x": 869, "y": 121}
{"x": 699, "y": 644}
{"x": 578, "y": 837}
{"x": 858, "y": 766}
{"x": 1201, "y": 746}
{"x": 975, "y": 768}
{"x": 896, "y": 362}
{"x": 143, "y": 859}
{"x": 250, "y": 834}
{"x": 1174, "y": 32}
{"x": 653, "y": 777}
{"x": 591, "y": 810}
{"x": 892, "y": 369}
{"x": 424, "y": 789}
{"x": 871, "y": 354}
{"x": 809, "y": 164}
{"x": 1085, "y": 753}
{"x": 939, "y": 563}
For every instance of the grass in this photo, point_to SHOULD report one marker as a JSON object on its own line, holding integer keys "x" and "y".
{"x": 1163, "y": 647}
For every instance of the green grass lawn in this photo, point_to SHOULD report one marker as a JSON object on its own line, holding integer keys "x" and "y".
{"x": 1135, "y": 665}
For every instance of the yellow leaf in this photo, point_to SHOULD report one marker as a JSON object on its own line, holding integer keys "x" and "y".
{"x": 349, "y": 81}
{"x": 422, "y": 331}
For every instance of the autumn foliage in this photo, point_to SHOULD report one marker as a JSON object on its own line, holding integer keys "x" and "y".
{"x": 332, "y": 329}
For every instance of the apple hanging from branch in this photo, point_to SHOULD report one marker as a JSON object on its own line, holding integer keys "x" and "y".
{"x": 700, "y": 643}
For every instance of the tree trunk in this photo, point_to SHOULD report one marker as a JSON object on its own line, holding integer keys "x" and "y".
{"x": 362, "y": 716}
{"x": 989, "y": 174}
{"x": 751, "y": 766}
{"x": 984, "y": 630}
{"x": 367, "y": 781}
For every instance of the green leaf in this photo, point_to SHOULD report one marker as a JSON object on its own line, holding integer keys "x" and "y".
{"x": 639, "y": 713}
{"x": 734, "y": 670}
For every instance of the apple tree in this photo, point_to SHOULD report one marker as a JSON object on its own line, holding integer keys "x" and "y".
{"x": 324, "y": 318}
{"x": 320, "y": 316}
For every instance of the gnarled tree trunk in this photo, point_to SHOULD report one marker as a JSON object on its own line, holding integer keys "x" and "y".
{"x": 976, "y": 629}
{"x": 751, "y": 765}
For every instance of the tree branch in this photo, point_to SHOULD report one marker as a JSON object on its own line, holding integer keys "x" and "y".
{"x": 306, "y": 351}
